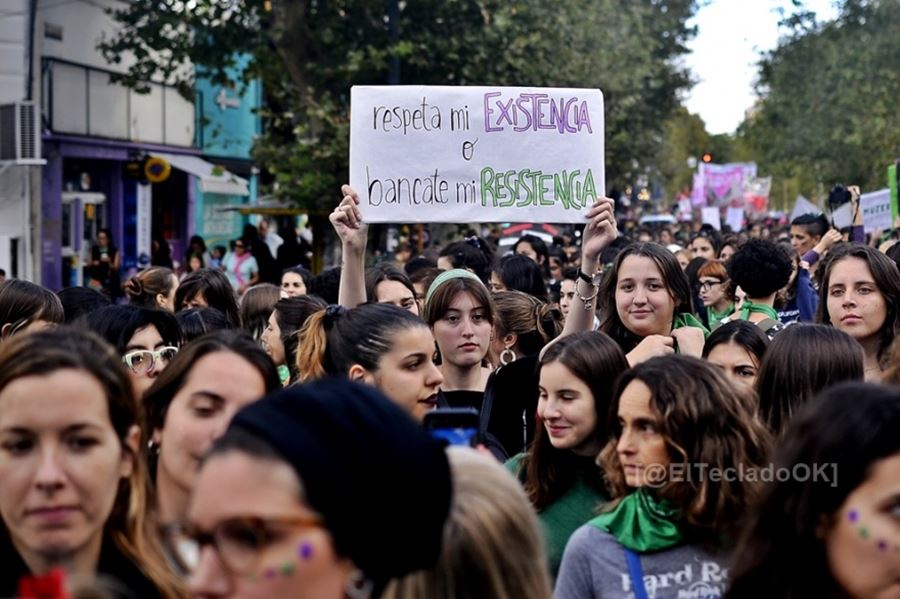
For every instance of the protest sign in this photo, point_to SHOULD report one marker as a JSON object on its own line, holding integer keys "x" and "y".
{"x": 476, "y": 154}
{"x": 711, "y": 216}
{"x": 804, "y": 206}
{"x": 722, "y": 184}
{"x": 734, "y": 218}
{"x": 876, "y": 210}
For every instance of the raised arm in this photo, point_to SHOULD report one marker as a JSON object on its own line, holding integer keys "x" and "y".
{"x": 599, "y": 232}
{"x": 347, "y": 222}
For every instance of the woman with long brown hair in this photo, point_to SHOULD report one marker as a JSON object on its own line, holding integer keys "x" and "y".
{"x": 559, "y": 473}
{"x": 74, "y": 492}
{"x": 682, "y": 442}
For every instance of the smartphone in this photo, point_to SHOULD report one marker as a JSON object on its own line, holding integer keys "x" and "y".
{"x": 454, "y": 426}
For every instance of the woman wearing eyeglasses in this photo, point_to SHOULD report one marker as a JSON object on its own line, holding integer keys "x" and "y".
{"x": 286, "y": 503}
{"x": 146, "y": 339}
{"x": 716, "y": 293}
{"x": 74, "y": 495}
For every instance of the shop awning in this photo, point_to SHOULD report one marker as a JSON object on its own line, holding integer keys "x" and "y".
{"x": 213, "y": 178}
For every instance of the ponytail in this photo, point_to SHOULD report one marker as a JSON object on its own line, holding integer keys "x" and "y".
{"x": 311, "y": 354}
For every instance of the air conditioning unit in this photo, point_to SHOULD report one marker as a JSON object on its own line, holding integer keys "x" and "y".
{"x": 20, "y": 133}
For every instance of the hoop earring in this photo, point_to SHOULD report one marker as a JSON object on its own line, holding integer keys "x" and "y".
{"x": 505, "y": 356}
{"x": 358, "y": 586}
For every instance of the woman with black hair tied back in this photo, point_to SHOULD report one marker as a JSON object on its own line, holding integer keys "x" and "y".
{"x": 377, "y": 344}
{"x": 737, "y": 347}
{"x": 153, "y": 288}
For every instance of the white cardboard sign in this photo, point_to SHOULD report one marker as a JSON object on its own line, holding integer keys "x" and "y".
{"x": 876, "y": 209}
{"x": 476, "y": 154}
{"x": 712, "y": 216}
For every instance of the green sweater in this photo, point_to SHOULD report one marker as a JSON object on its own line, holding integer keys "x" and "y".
{"x": 565, "y": 515}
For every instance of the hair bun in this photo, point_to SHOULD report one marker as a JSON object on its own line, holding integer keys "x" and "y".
{"x": 134, "y": 287}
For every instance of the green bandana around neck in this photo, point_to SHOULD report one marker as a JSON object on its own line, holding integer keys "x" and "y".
{"x": 715, "y": 318}
{"x": 749, "y": 308}
{"x": 686, "y": 319}
{"x": 641, "y": 522}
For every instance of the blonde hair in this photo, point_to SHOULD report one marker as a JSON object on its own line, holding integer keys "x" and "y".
{"x": 493, "y": 545}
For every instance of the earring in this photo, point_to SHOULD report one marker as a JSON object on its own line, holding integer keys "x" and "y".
{"x": 153, "y": 447}
{"x": 358, "y": 586}
{"x": 507, "y": 356}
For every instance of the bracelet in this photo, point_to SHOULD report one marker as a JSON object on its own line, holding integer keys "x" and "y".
{"x": 587, "y": 300}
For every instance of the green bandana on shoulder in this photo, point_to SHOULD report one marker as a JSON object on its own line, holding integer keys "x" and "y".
{"x": 748, "y": 308}
{"x": 641, "y": 522}
{"x": 715, "y": 318}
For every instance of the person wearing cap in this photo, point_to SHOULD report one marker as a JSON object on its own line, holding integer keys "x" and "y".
{"x": 290, "y": 502}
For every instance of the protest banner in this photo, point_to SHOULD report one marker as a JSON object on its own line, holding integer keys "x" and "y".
{"x": 756, "y": 193}
{"x": 723, "y": 184}
{"x": 476, "y": 154}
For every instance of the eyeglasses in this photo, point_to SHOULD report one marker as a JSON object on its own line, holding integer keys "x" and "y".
{"x": 239, "y": 542}
{"x": 707, "y": 285}
{"x": 142, "y": 361}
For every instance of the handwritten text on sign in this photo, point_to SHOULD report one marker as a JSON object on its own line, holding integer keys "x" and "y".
{"x": 476, "y": 154}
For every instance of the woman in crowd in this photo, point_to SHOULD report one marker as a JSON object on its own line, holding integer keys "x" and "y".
{"x": 461, "y": 313}
{"x": 715, "y": 293}
{"x": 534, "y": 248}
{"x": 281, "y": 336}
{"x": 705, "y": 244}
{"x": 730, "y": 245}
{"x": 288, "y": 476}
{"x": 240, "y": 266}
{"x": 387, "y": 284}
{"x": 492, "y": 544}
{"x": 190, "y": 405}
{"x": 801, "y": 361}
{"x": 197, "y": 250}
{"x": 147, "y": 340}
{"x": 153, "y": 288}
{"x": 523, "y": 327}
{"x": 672, "y": 414}
{"x": 74, "y": 493}
{"x": 256, "y": 307}
{"x": 295, "y": 281}
{"x": 646, "y": 305}
{"x": 106, "y": 264}
{"x": 474, "y": 254}
{"x": 518, "y": 272}
{"x": 25, "y": 306}
{"x": 559, "y": 470}
{"x": 208, "y": 288}
{"x": 737, "y": 348}
{"x": 834, "y": 534}
{"x": 860, "y": 295}
{"x": 377, "y": 344}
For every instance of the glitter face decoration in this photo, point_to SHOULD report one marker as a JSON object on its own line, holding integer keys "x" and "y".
{"x": 304, "y": 554}
{"x": 864, "y": 534}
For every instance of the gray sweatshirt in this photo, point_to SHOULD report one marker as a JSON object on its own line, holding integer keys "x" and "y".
{"x": 594, "y": 567}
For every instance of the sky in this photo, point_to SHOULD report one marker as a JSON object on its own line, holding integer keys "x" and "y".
{"x": 731, "y": 36}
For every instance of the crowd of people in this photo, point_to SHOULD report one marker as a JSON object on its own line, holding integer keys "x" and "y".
{"x": 662, "y": 413}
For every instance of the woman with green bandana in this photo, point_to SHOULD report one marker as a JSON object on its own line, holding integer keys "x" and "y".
{"x": 760, "y": 268}
{"x": 716, "y": 293}
{"x": 559, "y": 470}
{"x": 645, "y": 305}
{"x": 683, "y": 441}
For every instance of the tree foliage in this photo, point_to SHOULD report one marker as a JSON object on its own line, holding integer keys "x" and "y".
{"x": 829, "y": 100}
{"x": 308, "y": 53}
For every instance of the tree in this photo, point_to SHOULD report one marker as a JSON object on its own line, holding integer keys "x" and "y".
{"x": 828, "y": 110}
{"x": 308, "y": 53}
